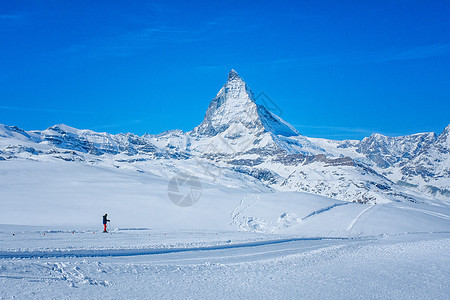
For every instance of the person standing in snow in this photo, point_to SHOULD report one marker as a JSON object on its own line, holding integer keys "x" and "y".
{"x": 105, "y": 220}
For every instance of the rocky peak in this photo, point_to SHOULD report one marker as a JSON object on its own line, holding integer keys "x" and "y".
{"x": 443, "y": 140}
{"x": 234, "y": 106}
{"x": 233, "y": 75}
{"x": 386, "y": 151}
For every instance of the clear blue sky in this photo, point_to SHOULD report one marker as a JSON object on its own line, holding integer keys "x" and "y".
{"x": 336, "y": 69}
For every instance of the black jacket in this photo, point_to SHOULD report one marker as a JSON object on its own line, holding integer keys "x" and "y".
{"x": 105, "y": 219}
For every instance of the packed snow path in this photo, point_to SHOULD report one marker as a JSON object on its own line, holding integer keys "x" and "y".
{"x": 428, "y": 212}
{"x": 253, "y": 246}
{"x": 403, "y": 266}
{"x": 353, "y": 222}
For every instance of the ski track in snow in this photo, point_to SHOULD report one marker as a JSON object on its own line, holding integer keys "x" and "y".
{"x": 149, "y": 251}
{"x": 412, "y": 267}
{"x": 353, "y": 222}
{"x": 431, "y": 213}
{"x": 319, "y": 211}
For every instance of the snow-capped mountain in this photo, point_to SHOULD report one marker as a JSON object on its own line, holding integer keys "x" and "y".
{"x": 388, "y": 151}
{"x": 241, "y": 143}
{"x": 430, "y": 169}
{"x": 235, "y": 105}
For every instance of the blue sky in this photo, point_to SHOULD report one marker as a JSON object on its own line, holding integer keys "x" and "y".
{"x": 334, "y": 70}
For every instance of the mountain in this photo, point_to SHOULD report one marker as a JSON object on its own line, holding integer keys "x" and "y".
{"x": 387, "y": 151}
{"x": 234, "y": 124}
{"x": 430, "y": 169}
{"x": 241, "y": 143}
{"x": 235, "y": 106}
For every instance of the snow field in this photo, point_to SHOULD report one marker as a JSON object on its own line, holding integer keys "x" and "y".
{"x": 413, "y": 266}
{"x": 235, "y": 242}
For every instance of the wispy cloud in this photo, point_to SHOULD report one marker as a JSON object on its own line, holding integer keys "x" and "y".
{"x": 395, "y": 54}
{"x": 148, "y": 37}
{"x": 127, "y": 44}
{"x": 338, "y": 131}
{"x": 10, "y": 17}
{"x": 50, "y": 110}
{"x": 87, "y": 112}
{"x": 398, "y": 54}
{"x": 117, "y": 125}
{"x": 412, "y": 53}
{"x": 16, "y": 18}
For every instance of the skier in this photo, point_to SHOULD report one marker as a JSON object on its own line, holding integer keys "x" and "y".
{"x": 105, "y": 220}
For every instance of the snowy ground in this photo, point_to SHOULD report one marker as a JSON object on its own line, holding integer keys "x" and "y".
{"x": 235, "y": 242}
{"x": 133, "y": 264}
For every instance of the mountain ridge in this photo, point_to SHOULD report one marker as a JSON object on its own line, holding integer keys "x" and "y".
{"x": 245, "y": 140}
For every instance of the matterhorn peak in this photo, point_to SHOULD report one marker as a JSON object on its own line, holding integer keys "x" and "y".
{"x": 233, "y": 75}
{"x": 235, "y": 106}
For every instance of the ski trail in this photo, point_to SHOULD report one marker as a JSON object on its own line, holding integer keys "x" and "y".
{"x": 152, "y": 251}
{"x": 319, "y": 211}
{"x": 254, "y": 256}
{"x": 428, "y": 212}
{"x": 353, "y": 222}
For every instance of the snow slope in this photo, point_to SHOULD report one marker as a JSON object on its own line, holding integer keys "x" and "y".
{"x": 62, "y": 193}
{"x": 409, "y": 266}
{"x": 237, "y": 241}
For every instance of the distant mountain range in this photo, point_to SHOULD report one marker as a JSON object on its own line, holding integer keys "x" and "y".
{"x": 242, "y": 143}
